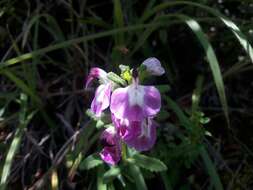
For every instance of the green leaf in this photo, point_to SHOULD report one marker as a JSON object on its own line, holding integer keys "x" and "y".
{"x": 90, "y": 162}
{"x": 179, "y": 112}
{"x": 115, "y": 78}
{"x": 149, "y": 163}
{"x": 163, "y": 88}
{"x": 166, "y": 181}
{"x": 215, "y": 179}
{"x": 100, "y": 182}
{"x": 111, "y": 174}
{"x": 138, "y": 177}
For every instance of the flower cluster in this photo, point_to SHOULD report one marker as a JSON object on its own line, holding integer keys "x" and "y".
{"x": 132, "y": 109}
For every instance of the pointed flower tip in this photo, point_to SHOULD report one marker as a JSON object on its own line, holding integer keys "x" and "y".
{"x": 95, "y": 73}
{"x": 154, "y": 66}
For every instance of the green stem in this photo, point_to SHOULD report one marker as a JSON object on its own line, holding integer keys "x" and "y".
{"x": 124, "y": 151}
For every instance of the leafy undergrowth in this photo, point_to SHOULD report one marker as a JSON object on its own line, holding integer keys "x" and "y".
{"x": 49, "y": 141}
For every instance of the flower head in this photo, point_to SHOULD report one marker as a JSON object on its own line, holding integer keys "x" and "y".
{"x": 111, "y": 152}
{"x": 135, "y": 102}
{"x": 153, "y": 66}
{"x": 132, "y": 107}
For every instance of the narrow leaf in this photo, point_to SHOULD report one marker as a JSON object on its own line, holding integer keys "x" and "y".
{"x": 111, "y": 174}
{"x": 90, "y": 162}
{"x": 215, "y": 179}
{"x": 149, "y": 163}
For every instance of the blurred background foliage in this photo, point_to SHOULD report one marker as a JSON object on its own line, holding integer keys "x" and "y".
{"x": 47, "y": 49}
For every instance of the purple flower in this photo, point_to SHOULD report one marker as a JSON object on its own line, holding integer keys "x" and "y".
{"x": 135, "y": 102}
{"x": 154, "y": 66}
{"x": 140, "y": 135}
{"x": 111, "y": 152}
{"x": 101, "y": 100}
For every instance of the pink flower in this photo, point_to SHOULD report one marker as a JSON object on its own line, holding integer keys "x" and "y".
{"x": 111, "y": 152}
{"x": 132, "y": 110}
{"x": 135, "y": 102}
{"x": 140, "y": 135}
{"x": 154, "y": 66}
{"x": 101, "y": 100}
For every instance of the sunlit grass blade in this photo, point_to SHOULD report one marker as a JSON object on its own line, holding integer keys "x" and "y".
{"x": 213, "y": 62}
{"x": 24, "y": 119}
{"x": 10, "y": 157}
{"x": 54, "y": 180}
{"x": 231, "y": 25}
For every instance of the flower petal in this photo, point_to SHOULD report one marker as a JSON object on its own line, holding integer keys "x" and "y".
{"x": 122, "y": 107}
{"x": 124, "y": 129}
{"x": 136, "y": 134}
{"x": 144, "y": 136}
{"x": 111, "y": 153}
{"x": 154, "y": 66}
{"x": 95, "y": 72}
{"x": 101, "y": 100}
{"x": 152, "y": 101}
{"x": 135, "y": 102}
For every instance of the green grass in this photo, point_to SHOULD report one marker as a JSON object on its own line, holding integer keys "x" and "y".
{"x": 47, "y": 51}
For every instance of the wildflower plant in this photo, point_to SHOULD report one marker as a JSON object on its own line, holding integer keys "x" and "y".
{"x": 131, "y": 106}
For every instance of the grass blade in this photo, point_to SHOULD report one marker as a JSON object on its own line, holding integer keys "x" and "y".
{"x": 68, "y": 43}
{"x": 118, "y": 21}
{"x": 9, "y": 158}
{"x": 212, "y": 59}
{"x": 23, "y": 122}
{"x": 231, "y": 25}
{"x": 137, "y": 175}
{"x": 215, "y": 179}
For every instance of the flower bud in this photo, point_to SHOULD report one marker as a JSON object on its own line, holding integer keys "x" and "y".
{"x": 153, "y": 66}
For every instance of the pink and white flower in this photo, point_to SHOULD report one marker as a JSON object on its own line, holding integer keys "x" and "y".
{"x": 135, "y": 102}
{"x": 101, "y": 100}
{"x": 140, "y": 135}
{"x": 132, "y": 111}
